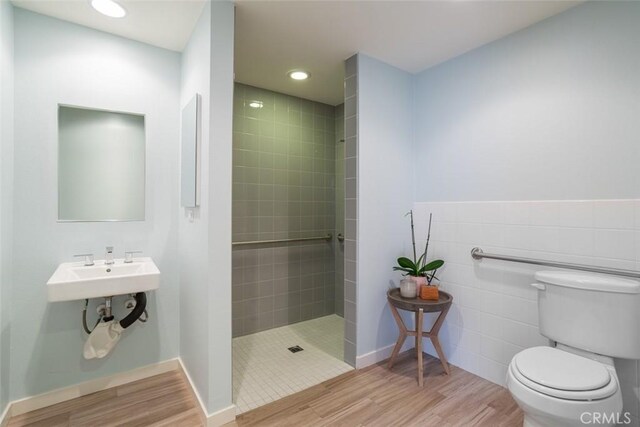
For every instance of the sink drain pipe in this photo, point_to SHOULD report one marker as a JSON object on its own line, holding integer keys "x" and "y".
{"x": 138, "y": 310}
{"x": 135, "y": 314}
{"x": 106, "y": 334}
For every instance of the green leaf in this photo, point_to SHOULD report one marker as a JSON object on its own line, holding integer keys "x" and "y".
{"x": 406, "y": 263}
{"x": 433, "y": 265}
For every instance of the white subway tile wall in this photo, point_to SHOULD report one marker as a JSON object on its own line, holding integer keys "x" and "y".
{"x": 494, "y": 314}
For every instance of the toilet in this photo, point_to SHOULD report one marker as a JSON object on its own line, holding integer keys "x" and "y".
{"x": 589, "y": 319}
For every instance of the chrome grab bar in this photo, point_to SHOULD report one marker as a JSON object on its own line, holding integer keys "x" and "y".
{"x": 327, "y": 237}
{"x": 477, "y": 254}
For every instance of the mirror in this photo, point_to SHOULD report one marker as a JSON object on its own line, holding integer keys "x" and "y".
{"x": 189, "y": 156}
{"x": 101, "y": 165}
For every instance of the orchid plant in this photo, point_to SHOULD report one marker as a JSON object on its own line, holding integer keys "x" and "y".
{"x": 419, "y": 266}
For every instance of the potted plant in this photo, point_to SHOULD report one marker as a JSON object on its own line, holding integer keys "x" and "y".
{"x": 421, "y": 271}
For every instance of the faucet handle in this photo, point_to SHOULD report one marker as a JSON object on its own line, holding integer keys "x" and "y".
{"x": 128, "y": 256}
{"x": 88, "y": 259}
{"x": 108, "y": 255}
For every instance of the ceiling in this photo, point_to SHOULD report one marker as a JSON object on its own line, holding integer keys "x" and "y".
{"x": 163, "y": 23}
{"x": 273, "y": 37}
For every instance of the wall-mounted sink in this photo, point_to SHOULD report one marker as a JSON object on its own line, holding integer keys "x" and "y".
{"x": 74, "y": 281}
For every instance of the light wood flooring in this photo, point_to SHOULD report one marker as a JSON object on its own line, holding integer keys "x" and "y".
{"x": 373, "y": 396}
{"x": 159, "y": 401}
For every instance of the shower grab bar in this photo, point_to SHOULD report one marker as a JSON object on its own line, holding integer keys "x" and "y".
{"x": 477, "y": 254}
{"x": 326, "y": 237}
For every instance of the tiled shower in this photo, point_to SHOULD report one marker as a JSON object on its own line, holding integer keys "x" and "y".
{"x": 339, "y": 197}
{"x": 287, "y": 163}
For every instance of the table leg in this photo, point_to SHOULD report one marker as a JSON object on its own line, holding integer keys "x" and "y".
{"x": 443, "y": 360}
{"x": 401, "y": 337}
{"x": 420, "y": 314}
{"x": 416, "y": 337}
{"x": 433, "y": 335}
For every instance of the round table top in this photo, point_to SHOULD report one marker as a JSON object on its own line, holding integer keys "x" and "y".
{"x": 415, "y": 304}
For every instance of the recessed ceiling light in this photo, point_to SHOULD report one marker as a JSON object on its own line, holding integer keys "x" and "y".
{"x": 298, "y": 75}
{"x": 255, "y": 104}
{"x": 109, "y": 8}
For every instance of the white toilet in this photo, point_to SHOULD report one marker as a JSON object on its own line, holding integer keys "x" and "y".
{"x": 591, "y": 319}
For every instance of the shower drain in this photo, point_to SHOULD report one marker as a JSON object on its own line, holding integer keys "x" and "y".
{"x": 295, "y": 349}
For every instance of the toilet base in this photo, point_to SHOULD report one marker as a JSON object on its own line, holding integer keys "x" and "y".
{"x": 541, "y": 410}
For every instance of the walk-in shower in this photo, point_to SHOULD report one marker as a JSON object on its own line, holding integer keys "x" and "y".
{"x": 288, "y": 219}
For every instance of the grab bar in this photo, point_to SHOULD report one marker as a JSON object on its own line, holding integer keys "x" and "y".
{"x": 477, "y": 253}
{"x": 327, "y": 237}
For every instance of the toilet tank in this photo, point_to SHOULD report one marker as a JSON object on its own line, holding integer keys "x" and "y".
{"x": 592, "y": 312}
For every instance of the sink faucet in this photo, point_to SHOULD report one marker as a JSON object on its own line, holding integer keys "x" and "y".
{"x": 108, "y": 256}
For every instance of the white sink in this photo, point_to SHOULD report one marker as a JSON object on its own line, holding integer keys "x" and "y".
{"x": 74, "y": 280}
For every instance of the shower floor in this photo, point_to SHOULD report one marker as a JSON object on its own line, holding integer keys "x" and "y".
{"x": 265, "y": 370}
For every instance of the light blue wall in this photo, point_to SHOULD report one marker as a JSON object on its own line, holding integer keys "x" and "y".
{"x": 385, "y": 194}
{"x": 205, "y": 243}
{"x": 193, "y": 241}
{"x": 550, "y": 112}
{"x": 220, "y": 161}
{"x": 6, "y": 191}
{"x": 58, "y": 62}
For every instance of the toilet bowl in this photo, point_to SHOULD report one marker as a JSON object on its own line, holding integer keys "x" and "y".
{"x": 592, "y": 319}
{"x": 555, "y": 387}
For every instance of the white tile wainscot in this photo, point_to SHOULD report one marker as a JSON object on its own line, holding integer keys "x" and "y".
{"x": 494, "y": 313}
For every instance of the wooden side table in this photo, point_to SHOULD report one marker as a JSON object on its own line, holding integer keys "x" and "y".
{"x": 419, "y": 307}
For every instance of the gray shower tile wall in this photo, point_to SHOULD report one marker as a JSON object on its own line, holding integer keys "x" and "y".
{"x": 283, "y": 187}
{"x": 351, "y": 207}
{"x": 339, "y": 246}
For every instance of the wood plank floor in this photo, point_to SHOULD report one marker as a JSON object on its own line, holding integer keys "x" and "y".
{"x": 375, "y": 396}
{"x": 164, "y": 400}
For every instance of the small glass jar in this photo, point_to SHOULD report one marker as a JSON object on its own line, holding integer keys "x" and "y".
{"x": 408, "y": 288}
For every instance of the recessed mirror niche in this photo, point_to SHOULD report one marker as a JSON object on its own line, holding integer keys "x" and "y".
{"x": 101, "y": 165}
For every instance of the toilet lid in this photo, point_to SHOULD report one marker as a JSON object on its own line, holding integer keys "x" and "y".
{"x": 561, "y": 370}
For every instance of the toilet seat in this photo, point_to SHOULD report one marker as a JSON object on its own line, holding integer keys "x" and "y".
{"x": 563, "y": 375}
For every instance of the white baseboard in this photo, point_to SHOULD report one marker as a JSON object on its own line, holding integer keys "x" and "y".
{"x": 4, "y": 417}
{"x": 380, "y": 354}
{"x": 193, "y": 387}
{"x": 222, "y": 417}
{"x": 32, "y": 403}
{"x": 53, "y": 397}
{"x": 218, "y": 418}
